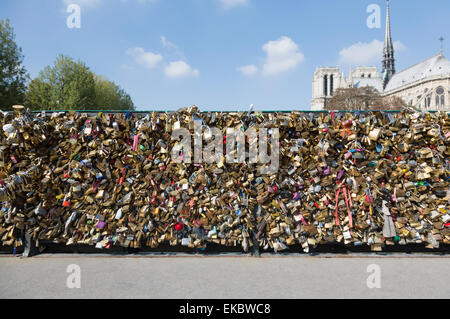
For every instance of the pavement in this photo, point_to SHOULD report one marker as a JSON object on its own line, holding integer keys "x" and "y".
{"x": 223, "y": 277}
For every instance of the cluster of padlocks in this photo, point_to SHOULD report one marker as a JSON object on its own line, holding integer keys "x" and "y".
{"x": 125, "y": 179}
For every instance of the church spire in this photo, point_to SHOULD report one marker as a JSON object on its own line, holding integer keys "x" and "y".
{"x": 388, "y": 51}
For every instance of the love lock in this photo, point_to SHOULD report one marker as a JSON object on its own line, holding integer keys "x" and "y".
{"x": 360, "y": 179}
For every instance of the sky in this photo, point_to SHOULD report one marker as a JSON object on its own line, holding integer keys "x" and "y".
{"x": 222, "y": 54}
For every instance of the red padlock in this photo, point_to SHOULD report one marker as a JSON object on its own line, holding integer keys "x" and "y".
{"x": 272, "y": 189}
{"x": 178, "y": 226}
{"x": 95, "y": 185}
{"x": 347, "y": 124}
{"x": 198, "y": 223}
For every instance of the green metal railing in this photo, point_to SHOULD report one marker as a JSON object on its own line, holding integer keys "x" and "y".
{"x": 213, "y": 111}
{"x": 231, "y": 111}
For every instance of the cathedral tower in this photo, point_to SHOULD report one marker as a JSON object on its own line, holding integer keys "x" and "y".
{"x": 388, "y": 51}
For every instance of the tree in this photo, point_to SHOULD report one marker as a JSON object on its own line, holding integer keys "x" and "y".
{"x": 70, "y": 85}
{"x": 354, "y": 99}
{"x": 364, "y": 98}
{"x": 394, "y": 102}
{"x": 109, "y": 96}
{"x": 65, "y": 85}
{"x": 13, "y": 76}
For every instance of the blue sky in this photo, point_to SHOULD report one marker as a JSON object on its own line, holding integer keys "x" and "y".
{"x": 222, "y": 54}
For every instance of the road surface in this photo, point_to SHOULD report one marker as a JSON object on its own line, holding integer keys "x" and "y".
{"x": 323, "y": 276}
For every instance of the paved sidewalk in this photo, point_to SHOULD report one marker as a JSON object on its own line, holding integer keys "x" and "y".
{"x": 46, "y": 276}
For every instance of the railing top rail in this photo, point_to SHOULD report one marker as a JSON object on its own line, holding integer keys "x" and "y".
{"x": 240, "y": 111}
{"x": 231, "y": 111}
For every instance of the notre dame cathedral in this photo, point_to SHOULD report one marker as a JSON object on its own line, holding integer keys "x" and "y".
{"x": 425, "y": 85}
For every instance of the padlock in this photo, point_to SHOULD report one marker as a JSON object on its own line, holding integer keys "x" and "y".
{"x": 114, "y": 156}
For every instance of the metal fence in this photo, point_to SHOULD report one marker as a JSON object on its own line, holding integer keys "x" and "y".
{"x": 242, "y": 111}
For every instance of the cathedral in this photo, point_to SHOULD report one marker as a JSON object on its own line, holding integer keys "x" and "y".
{"x": 425, "y": 85}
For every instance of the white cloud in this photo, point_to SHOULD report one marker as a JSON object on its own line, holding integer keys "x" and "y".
{"x": 248, "y": 70}
{"x": 365, "y": 53}
{"x": 167, "y": 44}
{"x": 147, "y": 59}
{"x": 180, "y": 69}
{"x": 228, "y": 4}
{"x": 176, "y": 69}
{"x": 282, "y": 55}
{"x": 170, "y": 46}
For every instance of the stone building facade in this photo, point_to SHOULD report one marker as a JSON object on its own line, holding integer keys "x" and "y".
{"x": 425, "y": 85}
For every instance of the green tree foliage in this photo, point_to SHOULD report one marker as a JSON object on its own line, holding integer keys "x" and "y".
{"x": 65, "y": 85}
{"x": 109, "y": 96}
{"x": 70, "y": 85}
{"x": 13, "y": 76}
